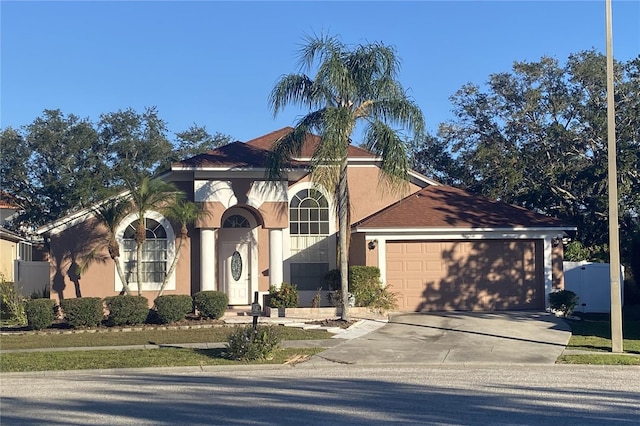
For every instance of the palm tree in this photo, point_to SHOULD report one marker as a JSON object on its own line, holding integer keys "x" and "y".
{"x": 110, "y": 214}
{"x": 150, "y": 194}
{"x": 185, "y": 213}
{"x": 351, "y": 86}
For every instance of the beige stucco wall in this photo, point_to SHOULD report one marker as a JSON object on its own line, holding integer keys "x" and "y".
{"x": 368, "y": 194}
{"x": 88, "y": 240}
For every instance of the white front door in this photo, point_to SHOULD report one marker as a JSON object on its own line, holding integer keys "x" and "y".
{"x": 235, "y": 260}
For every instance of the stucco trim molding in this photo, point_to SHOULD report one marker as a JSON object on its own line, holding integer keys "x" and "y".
{"x": 266, "y": 191}
{"x": 214, "y": 191}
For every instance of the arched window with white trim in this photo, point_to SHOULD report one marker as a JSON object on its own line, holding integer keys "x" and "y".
{"x": 308, "y": 232}
{"x": 157, "y": 251}
{"x": 154, "y": 252}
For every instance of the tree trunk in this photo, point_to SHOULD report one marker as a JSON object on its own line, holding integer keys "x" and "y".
{"x": 114, "y": 252}
{"x": 344, "y": 226}
{"x": 141, "y": 233}
{"x": 123, "y": 280}
{"x": 172, "y": 268}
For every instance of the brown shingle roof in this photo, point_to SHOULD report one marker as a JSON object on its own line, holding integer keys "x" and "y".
{"x": 253, "y": 153}
{"x": 236, "y": 154}
{"x": 447, "y": 207}
{"x": 311, "y": 142}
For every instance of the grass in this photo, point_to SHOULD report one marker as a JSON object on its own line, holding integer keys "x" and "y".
{"x": 593, "y": 333}
{"x": 137, "y": 358}
{"x": 144, "y": 337}
{"x": 165, "y": 357}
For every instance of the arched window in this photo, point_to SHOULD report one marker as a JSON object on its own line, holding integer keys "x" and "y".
{"x": 308, "y": 232}
{"x": 154, "y": 252}
{"x": 236, "y": 221}
{"x": 309, "y": 213}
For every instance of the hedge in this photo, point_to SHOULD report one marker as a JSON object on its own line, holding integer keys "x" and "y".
{"x": 39, "y": 313}
{"x": 127, "y": 310}
{"x": 83, "y": 311}
{"x": 173, "y": 307}
{"x": 211, "y": 304}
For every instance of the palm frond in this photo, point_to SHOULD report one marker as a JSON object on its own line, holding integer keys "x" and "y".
{"x": 384, "y": 141}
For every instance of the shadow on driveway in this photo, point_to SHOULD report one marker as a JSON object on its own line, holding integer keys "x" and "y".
{"x": 459, "y": 338}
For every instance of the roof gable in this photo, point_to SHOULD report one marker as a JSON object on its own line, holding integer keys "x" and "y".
{"x": 447, "y": 207}
{"x": 310, "y": 144}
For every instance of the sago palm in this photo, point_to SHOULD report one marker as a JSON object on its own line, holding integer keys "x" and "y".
{"x": 149, "y": 194}
{"x": 351, "y": 86}
{"x": 111, "y": 214}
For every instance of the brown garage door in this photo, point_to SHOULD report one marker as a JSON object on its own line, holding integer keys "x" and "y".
{"x": 466, "y": 275}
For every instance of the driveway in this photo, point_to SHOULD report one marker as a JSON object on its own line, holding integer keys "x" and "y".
{"x": 457, "y": 338}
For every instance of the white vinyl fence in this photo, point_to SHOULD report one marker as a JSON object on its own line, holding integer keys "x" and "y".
{"x": 591, "y": 282}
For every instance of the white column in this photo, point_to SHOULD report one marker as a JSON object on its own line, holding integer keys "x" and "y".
{"x": 208, "y": 259}
{"x": 548, "y": 269}
{"x": 382, "y": 260}
{"x": 275, "y": 257}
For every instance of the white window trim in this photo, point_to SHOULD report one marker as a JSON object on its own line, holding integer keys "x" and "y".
{"x": 286, "y": 234}
{"x": 171, "y": 252}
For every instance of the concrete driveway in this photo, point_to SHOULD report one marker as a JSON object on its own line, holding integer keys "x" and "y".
{"x": 457, "y": 338}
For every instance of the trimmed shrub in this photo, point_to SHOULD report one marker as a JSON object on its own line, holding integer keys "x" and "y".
{"x": 83, "y": 311}
{"x": 247, "y": 344}
{"x": 284, "y": 297}
{"x": 365, "y": 286}
{"x": 172, "y": 307}
{"x": 211, "y": 304}
{"x": 563, "y": 301}
{"x": 40, "y": 313}
{"x": 127, "y": 310}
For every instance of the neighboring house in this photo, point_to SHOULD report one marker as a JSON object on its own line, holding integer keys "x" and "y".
{"x": 437, "y": 247}
{"x": 12, "y": 247}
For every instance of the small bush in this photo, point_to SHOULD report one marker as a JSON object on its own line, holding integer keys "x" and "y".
{"x": 284, "y": 297}
{"x": 39, "y": 313}
{"x": 127, "y": 310}
{"x": 211, "y": 304}
{"x": 43, "y": 293}
{"x": 365, "y": 286}
{"x": 563, "y": 301}
{"x": 173, "y": 307}
{"x": 11, "y": 302}
{"x": 332, "y": 279}
{"x": 247, "y": 344}
{"x": 83, "y": 311}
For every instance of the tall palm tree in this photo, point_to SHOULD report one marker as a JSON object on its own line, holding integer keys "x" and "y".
{"x": 351, "y": 86}
{"x": 149, "y": 194}
{"x": 185, "y": 213}
{"x": 110, "y": 214}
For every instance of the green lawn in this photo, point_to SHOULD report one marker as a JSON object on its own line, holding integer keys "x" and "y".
{"x": 593, "y": 333}
{"x": 166, "y": 357}
{"x": 163, "y": 357}
{"x": 145, "y": 337}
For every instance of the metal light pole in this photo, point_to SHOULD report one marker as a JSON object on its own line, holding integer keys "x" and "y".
{"x": 614, "y": 242}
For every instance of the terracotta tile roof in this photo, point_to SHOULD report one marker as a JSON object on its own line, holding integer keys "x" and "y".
{"x": 311, "y": 142}
{"x": 447, "y": 207}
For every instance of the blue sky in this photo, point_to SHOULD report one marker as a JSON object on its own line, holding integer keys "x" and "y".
{"x": 214, "y": 63}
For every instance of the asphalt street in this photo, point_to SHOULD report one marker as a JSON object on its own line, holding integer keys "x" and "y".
{"x": 328, "y": 395}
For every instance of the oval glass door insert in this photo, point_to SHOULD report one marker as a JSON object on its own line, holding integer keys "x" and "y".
{"x": 236, "y": 265}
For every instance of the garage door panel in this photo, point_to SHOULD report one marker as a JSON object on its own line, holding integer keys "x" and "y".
{"x": 466, "y": 275}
